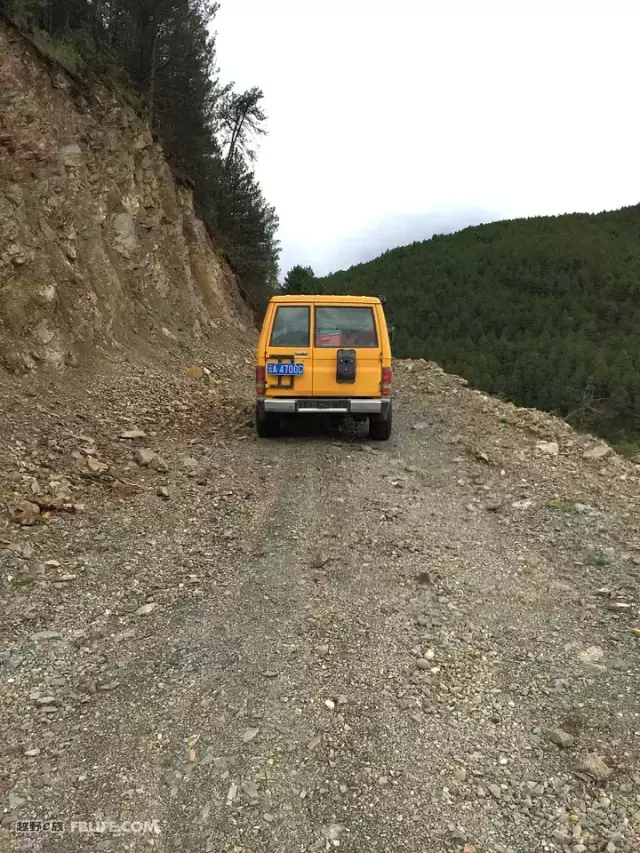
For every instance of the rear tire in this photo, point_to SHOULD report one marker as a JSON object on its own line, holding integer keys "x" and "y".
{"x": 267, "y": 424}
{"x": 380, "y": 426}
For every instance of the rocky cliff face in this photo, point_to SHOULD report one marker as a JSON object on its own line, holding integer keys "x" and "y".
{"x": 99, "y": 245}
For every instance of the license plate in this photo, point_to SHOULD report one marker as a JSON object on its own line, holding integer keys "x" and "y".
{"x": 322, "y": 404}
{"x": 285, "y": 368}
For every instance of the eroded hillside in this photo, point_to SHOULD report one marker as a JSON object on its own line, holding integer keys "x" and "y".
{"x": 99, "y": 244}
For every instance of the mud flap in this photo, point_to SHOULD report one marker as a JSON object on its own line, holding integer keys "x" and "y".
{"x": 346, "y": 365}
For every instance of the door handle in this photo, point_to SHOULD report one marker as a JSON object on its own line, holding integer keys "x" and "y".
{"x": 301, "y": 352}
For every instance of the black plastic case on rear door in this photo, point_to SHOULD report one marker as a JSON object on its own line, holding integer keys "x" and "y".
{"x": 346, "y": 365}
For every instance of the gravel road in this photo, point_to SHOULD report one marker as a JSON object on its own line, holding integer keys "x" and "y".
{"x": 318, "y": 642}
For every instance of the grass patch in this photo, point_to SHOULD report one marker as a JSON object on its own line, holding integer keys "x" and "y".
{"x": 563, "y": 504}
{"x": 599, "y": 559}
{"x": 628, "y": 446}
{"x": 66, "y": 52}
{"x": 78, "y": 54}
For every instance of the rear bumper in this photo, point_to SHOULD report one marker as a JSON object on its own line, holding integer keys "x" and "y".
{"x": 324, "y": 405}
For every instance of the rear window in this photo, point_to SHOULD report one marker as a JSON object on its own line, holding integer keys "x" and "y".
{"x": 291, "y": 326}
{"x": 345, "y": 326}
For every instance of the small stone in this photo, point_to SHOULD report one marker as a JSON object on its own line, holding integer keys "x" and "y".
{"x": 460, "y": 774}
{"x": 163, "y": 492}
{"x": 24, "y": 513}
{"x": 561, "y": 738}
{"x": 493, "y": 505}
{"x": 423, "y": 664}
{"x": 233, "y": 793}
{"x": 16, "y": 801}
{"x": 495, "y": 791}
{"x": 46, "y": 635}
{"x": 67, "y": 578}
{"x": 597, "y": 451}
{"x": 323, "y": 650}
{"x": 429, "y": 654}
{"x": 71, "y": 155}
{"x": 547, "y": 448}
{"x": 268, "y": 817}
{"x": 46, "y": 700}
{"x": 315, "y": 742}
{"x": 457, "y": 834}
{"x": 595, "y": 767}
{"x": 160, "y": 464}
{"x": 524, "y": 504}
{"x": 249, "y": 734}
{"x": 31, "y": 753}
{"x": 146, "y": 609}
{"x": 133, "y": 433}
{"x": 330, "y": 704}
{"x": 611, "y": 847}
{"x": 144, "y": 456}
{"x": 591, "y": 655}
{"x": 95, "y": 466}
{"x": 420, "y": 426}
{"x": 383, "y": 780}
{"x": 251, "y": 790}
{"x": 561, "y": 837}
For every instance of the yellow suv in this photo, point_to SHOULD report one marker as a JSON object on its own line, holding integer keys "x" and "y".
{"x": 324, "y": 355}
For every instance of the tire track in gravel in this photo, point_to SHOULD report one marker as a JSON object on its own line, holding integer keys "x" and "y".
{"x": 323, "y": 664}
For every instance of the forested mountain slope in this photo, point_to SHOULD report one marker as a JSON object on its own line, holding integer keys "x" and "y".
{"x": 543, "y": 311}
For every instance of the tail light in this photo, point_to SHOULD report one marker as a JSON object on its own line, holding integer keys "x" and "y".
{"x": 260, "y": 381}
{"x": 385, "y": 385}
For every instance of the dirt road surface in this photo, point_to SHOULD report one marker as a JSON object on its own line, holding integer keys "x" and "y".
{"x": 315, "y": 642}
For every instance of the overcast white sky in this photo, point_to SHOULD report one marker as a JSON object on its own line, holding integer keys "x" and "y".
{"x": 389, "y": 121}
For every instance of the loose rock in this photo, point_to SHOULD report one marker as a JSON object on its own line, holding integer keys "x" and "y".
{"x": 561, "y": 738}
{"x": 146, "y": 609}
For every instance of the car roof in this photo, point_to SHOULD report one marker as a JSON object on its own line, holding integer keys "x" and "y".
{"x": 322, "y": 298}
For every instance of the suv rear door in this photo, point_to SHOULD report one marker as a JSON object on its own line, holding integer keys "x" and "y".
{"x": 349, "y": 327}
{"x": 288, "y": 351}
